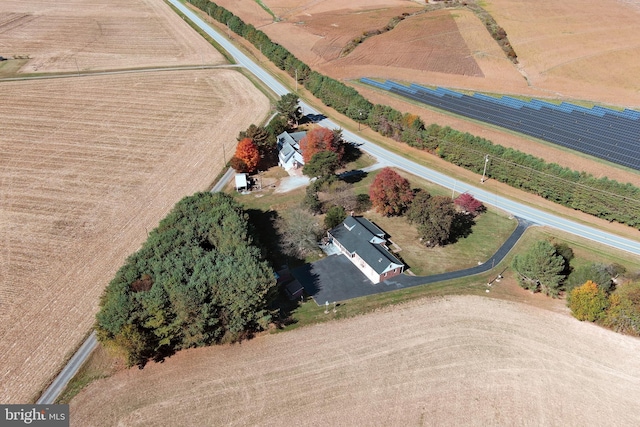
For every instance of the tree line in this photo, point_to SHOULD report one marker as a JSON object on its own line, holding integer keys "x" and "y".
{"x": 439, "y": 220}
{"x": 595, "y": 292}
{"x": 601, "y": 197}
{"x": 199, "y": 279}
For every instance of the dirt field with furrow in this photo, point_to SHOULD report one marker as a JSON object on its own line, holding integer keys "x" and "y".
{"x": 451, "y": 361}
{"x": 85, "y": 172}
{"x": 87, "y": 35}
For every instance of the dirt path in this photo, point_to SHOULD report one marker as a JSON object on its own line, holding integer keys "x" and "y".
{"x": 450, "y": 361}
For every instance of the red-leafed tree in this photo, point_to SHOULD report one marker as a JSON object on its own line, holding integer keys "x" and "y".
{"x": 469, "y": 204}
{"x": 321, "y": 139}
{"x": 390, "y": 193}
{"x": 248, "y": 152}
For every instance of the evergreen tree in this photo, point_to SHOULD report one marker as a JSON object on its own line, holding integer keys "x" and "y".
{"x": 540, "y": 268}
{"x": 321, "y": 164}
{"x": 289, "y": 108}
{"x": 198, "y": 279}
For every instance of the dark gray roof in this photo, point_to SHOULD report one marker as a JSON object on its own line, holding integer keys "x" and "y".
{"x": 359, "y": 235}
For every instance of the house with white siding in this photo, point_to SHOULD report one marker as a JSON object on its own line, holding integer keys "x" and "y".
{"x": 289, "y": 154}
{"x": 364, "y": 244}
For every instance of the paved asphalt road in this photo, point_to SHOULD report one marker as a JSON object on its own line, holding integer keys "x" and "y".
{"x": 335, "y": 278}
{"x": 384, "y": 156}
{"x": 77, "y": 360}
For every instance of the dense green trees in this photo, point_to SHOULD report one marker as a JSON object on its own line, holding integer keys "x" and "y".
{"x": 198, "y": 279}
{"x": 434, "y": 217}
{"x": 595, "y": 272}
{"x": 321, "y": 164}
{"x": 600, "y": 197}
{"x": 540, "y": 268}
{"x": 334, "y": 216}
{"x": 288, "y": 107}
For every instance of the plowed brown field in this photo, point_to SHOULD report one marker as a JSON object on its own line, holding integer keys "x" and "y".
{"x": 573, "y": 50}
{"x": 88, "y": 165}
{"x": 457, "y": 361}
{"x": 85, "y": 35}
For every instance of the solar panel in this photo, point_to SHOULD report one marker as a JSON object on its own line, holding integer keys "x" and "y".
{"x": 601, "y": 132}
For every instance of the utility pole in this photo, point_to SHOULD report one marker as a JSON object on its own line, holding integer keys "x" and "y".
{"x": 296, "y": 80}
{"x": 486, "y": 160}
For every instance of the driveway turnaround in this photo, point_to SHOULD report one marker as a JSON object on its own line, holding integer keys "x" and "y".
{"x": 335, "y": 278}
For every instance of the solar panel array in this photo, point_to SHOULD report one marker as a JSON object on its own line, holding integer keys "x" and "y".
{"x": 600, "y": 132}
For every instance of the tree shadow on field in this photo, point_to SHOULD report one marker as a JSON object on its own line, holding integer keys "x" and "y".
{"x": 462, "y": 227}
{"x": 266, "y": 232}
{"x": 351, "y": 153}
{"x": 266, "y": 235}
{"x": 353, "y": 176}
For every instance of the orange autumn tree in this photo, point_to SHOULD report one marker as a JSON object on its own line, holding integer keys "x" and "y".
{"x": 248, "y": 152}
{"x": 390, "y": 193}
{"x": 321, "y": 139}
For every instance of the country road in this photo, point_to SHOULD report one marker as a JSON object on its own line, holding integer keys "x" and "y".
{"x": 384, "y": 156}
{"x": 525, "y": 212}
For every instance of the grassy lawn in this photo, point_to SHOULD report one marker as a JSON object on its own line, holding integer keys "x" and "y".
{"x": 10, "y": 67}
{"x": 492, "y": 228}
{"x": 101, "y": 364}
{"x": 490, "y": 231}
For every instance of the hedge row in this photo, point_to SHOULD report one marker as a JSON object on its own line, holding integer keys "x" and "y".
{"x": 601, "y": 197}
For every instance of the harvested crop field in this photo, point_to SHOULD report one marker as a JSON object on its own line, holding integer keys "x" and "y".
{"x": 584, "y": 49}
{"x": 88, "y": 165}
{"x": 451, "y": 361}
{"x": 315, "y": 31}
{"x": 427, "y": 42}
{"x": 87, "y": 35}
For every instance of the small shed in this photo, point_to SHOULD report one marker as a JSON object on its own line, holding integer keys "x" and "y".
{"x": 241, "y": 182}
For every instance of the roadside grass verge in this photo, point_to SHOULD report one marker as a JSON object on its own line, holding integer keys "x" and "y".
{"x": 10, "y": 67}
{"x": 197, "y": 29}
{"x": 100, "y": 364}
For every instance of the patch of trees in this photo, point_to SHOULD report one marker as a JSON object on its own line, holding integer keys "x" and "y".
{"x": 299, "y": 232}
{"x": 322, "y": 139}
{"x": 351, "y": 45}
{"x": 600, "y": 197}
{"x": 617, "y": 309}
{"x": 256, "y": 147}
{"x": 328, "y": 191}
{"x": 289, "y": 108}
{"x": 199, "y": 279}
{"x": 322, "y": 164}
{"x": 590, "y": 289}
{"x": 438, "y": 221}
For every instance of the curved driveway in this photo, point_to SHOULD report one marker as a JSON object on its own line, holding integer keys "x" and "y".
{"x": 335, "y": 278}
{"x": 522, "y": 211}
